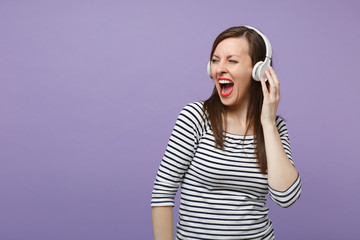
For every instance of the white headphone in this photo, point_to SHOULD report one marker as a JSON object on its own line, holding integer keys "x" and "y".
{"x": 261, "y": 66}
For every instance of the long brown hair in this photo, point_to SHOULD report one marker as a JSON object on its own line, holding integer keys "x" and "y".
{"x": 216, "y": 110}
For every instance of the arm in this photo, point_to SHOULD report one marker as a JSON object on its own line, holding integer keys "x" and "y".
{"x": 176, "y": 160}
{"x": 283, "y": 179}
{"x": 281, "y": 172}
{"x": 162, "y": 219}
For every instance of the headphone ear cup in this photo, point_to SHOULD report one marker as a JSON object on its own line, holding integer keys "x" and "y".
{"x": 257, "y": 70}
{"x": 263, "y": 68}
{"x": 209, "y": 69}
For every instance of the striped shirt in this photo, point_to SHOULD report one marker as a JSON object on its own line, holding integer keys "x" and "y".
{"x": 223, "y": 193}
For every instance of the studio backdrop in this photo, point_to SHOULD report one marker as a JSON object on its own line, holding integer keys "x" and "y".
{"x": 90, "y": 91}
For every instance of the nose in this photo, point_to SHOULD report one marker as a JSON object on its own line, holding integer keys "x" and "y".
{"x": 221, "y": 69}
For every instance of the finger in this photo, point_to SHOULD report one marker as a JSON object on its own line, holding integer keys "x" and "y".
{"x": 271, "y": 80}
{"x": 273, "y": 74}
{"x": 273, "y": 88}
{"x": 264, "y": 88}
{"x": 276, "y": 81}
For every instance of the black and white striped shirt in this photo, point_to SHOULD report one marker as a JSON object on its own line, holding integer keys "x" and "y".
{"x": 222, "y": 192}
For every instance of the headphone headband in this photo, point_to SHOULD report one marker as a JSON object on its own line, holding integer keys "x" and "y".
{"x": 266, "y": 40}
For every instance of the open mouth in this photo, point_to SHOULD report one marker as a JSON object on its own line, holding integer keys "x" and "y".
{"x": 226, "y": 86}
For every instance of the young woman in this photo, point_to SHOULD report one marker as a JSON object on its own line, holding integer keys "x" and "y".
{"x": 228, "y": 152}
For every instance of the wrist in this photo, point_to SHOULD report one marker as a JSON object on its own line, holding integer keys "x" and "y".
{"x": 269, "y": 126}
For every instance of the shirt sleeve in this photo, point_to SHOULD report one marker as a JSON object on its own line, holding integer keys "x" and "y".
{"x": 289, "y": 196}
{"x": 178, "y": 155}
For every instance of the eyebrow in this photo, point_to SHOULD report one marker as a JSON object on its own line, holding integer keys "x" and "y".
{"x": 229, "y": 56}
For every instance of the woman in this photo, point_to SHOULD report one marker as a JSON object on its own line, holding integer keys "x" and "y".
{"x": 228, "y": 152}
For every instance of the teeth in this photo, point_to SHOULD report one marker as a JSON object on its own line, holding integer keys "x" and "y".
{"x": 224, "y": 81}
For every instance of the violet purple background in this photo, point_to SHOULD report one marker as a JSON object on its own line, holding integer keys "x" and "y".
{"x": 90, "y": 91}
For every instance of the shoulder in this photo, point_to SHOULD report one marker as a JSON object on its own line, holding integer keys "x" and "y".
{"x": 281, "y": 125}
{"x": 193, "y": 114}
{"x": 195, "y": 108}
{"x": 279, "y": 120}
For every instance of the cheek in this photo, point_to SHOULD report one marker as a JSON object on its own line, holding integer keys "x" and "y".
{"x": 248, "y": 71}
{"x": 217, "y": 86}
{"x": 245, "y": 75}
{"x": 245, "y": 78}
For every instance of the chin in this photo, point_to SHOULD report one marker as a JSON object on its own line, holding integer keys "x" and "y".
{"x": 231, "y": 100}
{"x": 228, "y": 101}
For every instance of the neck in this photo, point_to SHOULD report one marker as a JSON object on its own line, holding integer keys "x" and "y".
{"x": 238, "y": 112}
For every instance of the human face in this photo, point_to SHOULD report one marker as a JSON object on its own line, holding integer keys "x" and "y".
{"x": 231, "y": 69}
